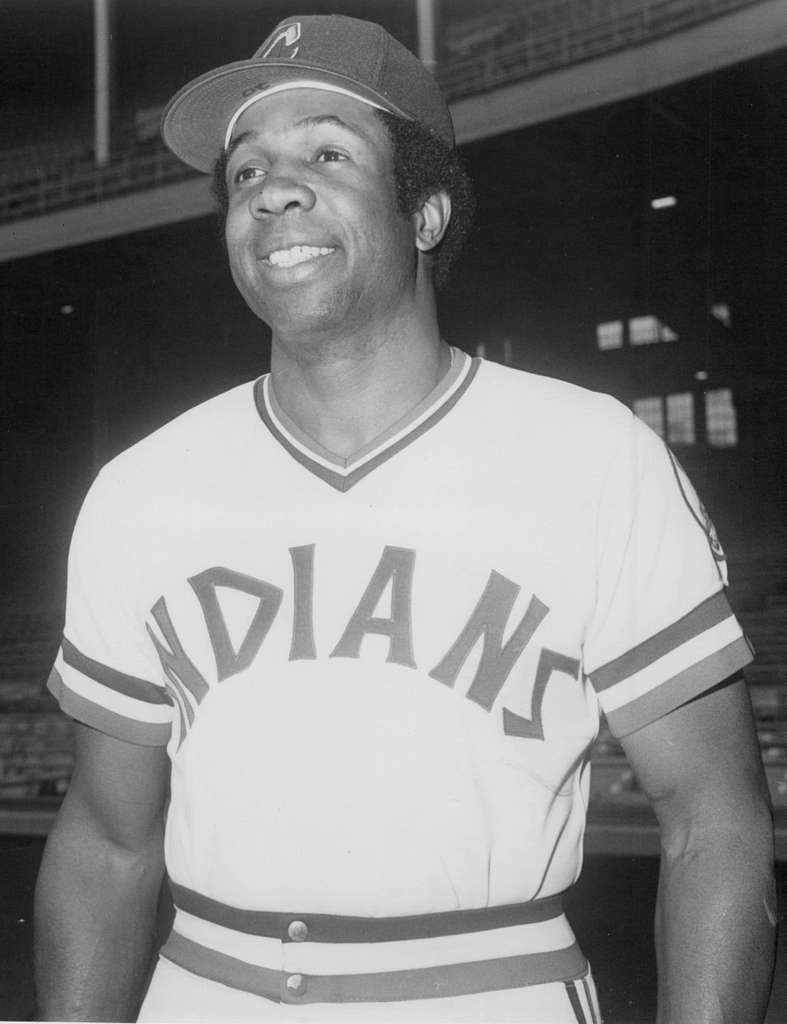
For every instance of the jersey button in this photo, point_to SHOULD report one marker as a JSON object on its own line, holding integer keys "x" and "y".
{"x": 296, "y": 984}
{"x": 298, "y": 931}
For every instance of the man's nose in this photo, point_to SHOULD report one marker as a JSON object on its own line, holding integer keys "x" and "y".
{"x": 281, "y": 193}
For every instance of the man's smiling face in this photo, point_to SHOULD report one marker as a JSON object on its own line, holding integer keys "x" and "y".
{"x": 315, "y": 239}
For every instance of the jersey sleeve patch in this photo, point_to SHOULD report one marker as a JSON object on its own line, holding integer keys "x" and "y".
{"x": 700, "y": 516}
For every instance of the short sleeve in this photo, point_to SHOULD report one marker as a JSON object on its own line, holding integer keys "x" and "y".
{"x": 105, "y": 673}
{"x": 662, "y": 630}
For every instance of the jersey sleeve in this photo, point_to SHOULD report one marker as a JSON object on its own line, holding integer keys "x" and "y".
{"x": 105, "y": 673}
{"x": 662, "y": 631}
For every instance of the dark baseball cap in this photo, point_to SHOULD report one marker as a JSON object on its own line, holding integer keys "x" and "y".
{"x": 333, "y": 53}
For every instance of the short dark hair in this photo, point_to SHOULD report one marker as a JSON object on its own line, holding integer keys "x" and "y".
{"x": 423, "y": 165}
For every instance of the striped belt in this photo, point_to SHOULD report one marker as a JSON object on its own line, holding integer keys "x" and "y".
{"x": 323, "y": 958}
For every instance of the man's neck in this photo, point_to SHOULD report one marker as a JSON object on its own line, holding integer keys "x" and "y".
{"x": 350, "y": 390}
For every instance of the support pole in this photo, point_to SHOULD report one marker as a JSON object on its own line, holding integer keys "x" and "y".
{"x": 426, "y": 19}
{"x": 102, "y": 39}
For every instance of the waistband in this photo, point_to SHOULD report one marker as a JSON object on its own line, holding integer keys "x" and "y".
{"x": 312, "y": 958}
{"x": 338, "y": 928}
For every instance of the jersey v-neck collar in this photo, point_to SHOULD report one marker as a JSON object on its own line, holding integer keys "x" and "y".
{"x": 344, "y": 473}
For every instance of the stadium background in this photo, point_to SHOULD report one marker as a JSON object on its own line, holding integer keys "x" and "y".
{"x": 630, "y": 161}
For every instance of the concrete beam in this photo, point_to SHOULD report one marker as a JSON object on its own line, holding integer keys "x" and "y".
{"x": 731, "y": 39}
{"x": 120, "y": 216}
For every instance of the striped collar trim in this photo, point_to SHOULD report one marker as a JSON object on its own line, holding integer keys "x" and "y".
{"x": 344, "y": 473}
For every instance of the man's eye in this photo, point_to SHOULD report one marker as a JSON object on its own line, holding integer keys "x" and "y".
{"x": 326, "y": 156}
{"x": 248, "y": 174}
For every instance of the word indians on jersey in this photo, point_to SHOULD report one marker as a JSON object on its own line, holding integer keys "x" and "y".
{"x": 488, "y": 623}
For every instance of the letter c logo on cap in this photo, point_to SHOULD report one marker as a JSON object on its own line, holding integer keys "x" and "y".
{"x": 285, "y": 38}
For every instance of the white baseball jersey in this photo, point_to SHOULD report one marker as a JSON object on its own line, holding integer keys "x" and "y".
{"x": 379, "y": 678}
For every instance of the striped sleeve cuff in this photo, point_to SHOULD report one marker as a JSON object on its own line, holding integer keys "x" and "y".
{"x": 120, "y": 705}
{"x": 678, "y": 663}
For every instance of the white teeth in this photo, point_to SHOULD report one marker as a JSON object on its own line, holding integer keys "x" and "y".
{"x": 298, "y": 254}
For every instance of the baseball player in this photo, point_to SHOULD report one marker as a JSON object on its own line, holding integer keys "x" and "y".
{"x": 338, "y": 640}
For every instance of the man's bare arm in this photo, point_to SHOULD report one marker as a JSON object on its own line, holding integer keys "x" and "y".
{"x": 715, "y": 917}
{"x": 97, "y": 891}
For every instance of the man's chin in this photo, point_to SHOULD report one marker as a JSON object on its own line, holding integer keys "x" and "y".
{"x": 309, "y": 315}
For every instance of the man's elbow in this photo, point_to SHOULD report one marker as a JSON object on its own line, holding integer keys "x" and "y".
{"x": 81, "y": 855}
{"x": 741, "y": 836}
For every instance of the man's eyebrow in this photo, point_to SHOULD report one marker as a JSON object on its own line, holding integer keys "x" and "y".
{"x": 234, "y": 143}
{"x": 332, "y": 119}
{"x": 311, "y": 121}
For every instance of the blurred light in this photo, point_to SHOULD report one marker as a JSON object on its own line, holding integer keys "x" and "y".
{"x": 680, "y": 418}
{"x": 701, "y": 375}
{"x": 651, "y": 411}
{"x": 67, "y": 310}
{"x": 721, "y": 420}
{"x": 644, "y": 330}
{"x": 663, "y": 202}
{"x": 609, "y": 334}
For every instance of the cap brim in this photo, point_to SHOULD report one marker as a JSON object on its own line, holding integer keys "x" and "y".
{"x": 194, "y": 122}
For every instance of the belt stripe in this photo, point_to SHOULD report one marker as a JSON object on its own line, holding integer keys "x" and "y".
{"x": 336, "y": 928}
{"x": 591, "y": 1001}
{"x": 576, "y": 1004}
{"x": 383, "y": 986}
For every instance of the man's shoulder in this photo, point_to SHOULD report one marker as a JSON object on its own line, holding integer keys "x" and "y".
{"x": 551, "y": 400}
{"x": 192, "y": 441}
{"x": 194, "y": 431}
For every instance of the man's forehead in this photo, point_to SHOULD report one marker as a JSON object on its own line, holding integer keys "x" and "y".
{"x": 304, "y": 109}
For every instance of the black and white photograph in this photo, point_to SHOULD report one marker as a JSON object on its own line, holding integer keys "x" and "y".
{"x": 393, "y": 610}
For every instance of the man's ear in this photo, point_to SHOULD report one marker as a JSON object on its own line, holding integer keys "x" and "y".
{"x": 431, "y": 220}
